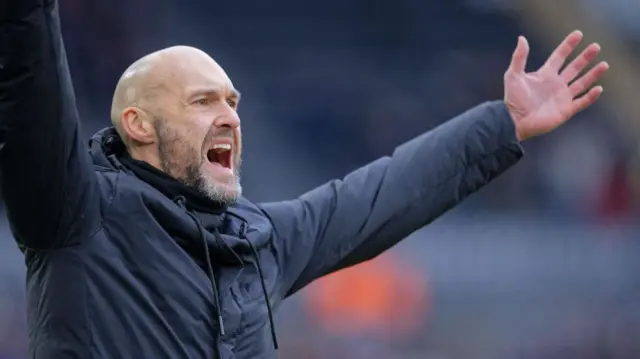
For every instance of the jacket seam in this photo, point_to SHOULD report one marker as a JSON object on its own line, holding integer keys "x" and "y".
{"x": 86, "y": 311}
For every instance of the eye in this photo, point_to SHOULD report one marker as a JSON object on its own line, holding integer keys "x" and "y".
{"x": 202, "y": 101}
{"x": 232, "y": 103}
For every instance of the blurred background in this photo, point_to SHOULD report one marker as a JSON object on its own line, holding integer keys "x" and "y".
{"x": 542, "y": 263}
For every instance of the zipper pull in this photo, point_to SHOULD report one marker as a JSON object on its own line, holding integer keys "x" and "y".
{"x": 180, "y": 201}
{"x": 243, "y": 230}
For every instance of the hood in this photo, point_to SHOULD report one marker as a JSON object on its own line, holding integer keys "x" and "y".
{"x": 108, "y": 151}
{"x": 105, "y": 147}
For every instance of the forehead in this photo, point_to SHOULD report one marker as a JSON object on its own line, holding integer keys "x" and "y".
{"x": 199, "y": 72}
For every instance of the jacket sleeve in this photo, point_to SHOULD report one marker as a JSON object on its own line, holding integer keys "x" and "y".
{"x": 46, "y": 178}
{"x": 345, "y": 222}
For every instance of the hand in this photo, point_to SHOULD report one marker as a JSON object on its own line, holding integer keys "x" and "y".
{"x": 541, "y": 101}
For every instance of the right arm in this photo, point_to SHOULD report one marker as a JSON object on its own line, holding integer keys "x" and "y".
{"x": 46, "y": 178}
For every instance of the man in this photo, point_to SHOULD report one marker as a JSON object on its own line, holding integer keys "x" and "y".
{"x": 144, "y": 247}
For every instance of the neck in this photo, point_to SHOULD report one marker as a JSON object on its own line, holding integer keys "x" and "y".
{"x": 146, "y": 154}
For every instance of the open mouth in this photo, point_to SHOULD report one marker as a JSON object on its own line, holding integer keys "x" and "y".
{"x": 220, "y": 154}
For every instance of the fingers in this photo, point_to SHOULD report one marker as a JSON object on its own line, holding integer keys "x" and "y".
{"x": 560, "y": 54}
{"x": 587, "y": 80}
{"x": 586, "y": 100}
{"x": 520, "y": 55}
{"x": 580, "y": 63}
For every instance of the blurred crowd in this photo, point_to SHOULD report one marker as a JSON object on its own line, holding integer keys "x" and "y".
{"x": 540, "y": 264}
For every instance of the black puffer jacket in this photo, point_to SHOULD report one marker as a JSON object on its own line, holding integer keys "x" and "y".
{"x": 123, "y": 262}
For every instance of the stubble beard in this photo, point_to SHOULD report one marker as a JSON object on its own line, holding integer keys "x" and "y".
{"x": 187, "y": 166}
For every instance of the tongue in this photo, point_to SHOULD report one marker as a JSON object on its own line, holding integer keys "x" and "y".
{"x": 218, "y": 158}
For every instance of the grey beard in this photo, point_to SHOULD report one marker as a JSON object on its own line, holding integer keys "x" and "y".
{"x": 192, "y": 176}
{"x": 217, "y": 193}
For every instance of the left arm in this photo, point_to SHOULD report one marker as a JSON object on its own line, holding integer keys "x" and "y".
{"x": 345, "y": 222}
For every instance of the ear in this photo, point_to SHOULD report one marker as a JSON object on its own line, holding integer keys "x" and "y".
{"x": 138, "y": 125}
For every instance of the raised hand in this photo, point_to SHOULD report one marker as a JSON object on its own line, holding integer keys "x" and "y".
{"x": 541, "y": 101}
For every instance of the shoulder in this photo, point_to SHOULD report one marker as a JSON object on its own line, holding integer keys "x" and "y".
{"x": 121, "y": 189}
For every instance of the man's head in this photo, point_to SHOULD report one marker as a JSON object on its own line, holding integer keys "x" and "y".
{"x": 176, "y": 110}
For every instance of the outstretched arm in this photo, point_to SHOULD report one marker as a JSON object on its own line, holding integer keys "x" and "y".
{"x": 352, "y": 220}
{"x": 346, "y": 222}
{"x": 46, "y": 179}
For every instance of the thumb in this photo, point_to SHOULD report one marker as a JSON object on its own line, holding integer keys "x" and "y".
{"x": 520, "y": 55}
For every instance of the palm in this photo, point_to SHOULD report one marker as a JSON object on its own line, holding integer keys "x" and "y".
{"x": 543, "y": 100}
{"x": 544, "y": 97}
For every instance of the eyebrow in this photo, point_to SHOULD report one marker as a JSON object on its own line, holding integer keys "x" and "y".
{"x": 235, "y": 94}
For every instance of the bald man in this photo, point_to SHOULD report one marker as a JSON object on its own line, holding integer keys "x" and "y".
{"x": 143, "y": 247}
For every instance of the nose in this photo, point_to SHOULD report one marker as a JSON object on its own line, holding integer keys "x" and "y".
{"x": 228, "y": 120}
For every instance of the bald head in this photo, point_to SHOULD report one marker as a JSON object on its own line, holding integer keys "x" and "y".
{"x": 144, "y": 83}
{"x": 176, "y": 110}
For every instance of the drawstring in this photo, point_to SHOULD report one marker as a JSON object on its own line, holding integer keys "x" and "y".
{"x": 180, "y": 201}
{"x": 212, "y": 278}
{"x": 264, "y": 286}
{"x": 216, "y": 296}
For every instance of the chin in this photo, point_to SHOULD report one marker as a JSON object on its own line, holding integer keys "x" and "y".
{"x": 226, "y": 193}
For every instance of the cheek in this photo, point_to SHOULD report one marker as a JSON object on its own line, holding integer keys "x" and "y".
{"x": 195, "y": 136}
{"x": 190, "y": 147}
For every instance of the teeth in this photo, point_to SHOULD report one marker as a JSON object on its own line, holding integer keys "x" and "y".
{"x": 221, "y": 147}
